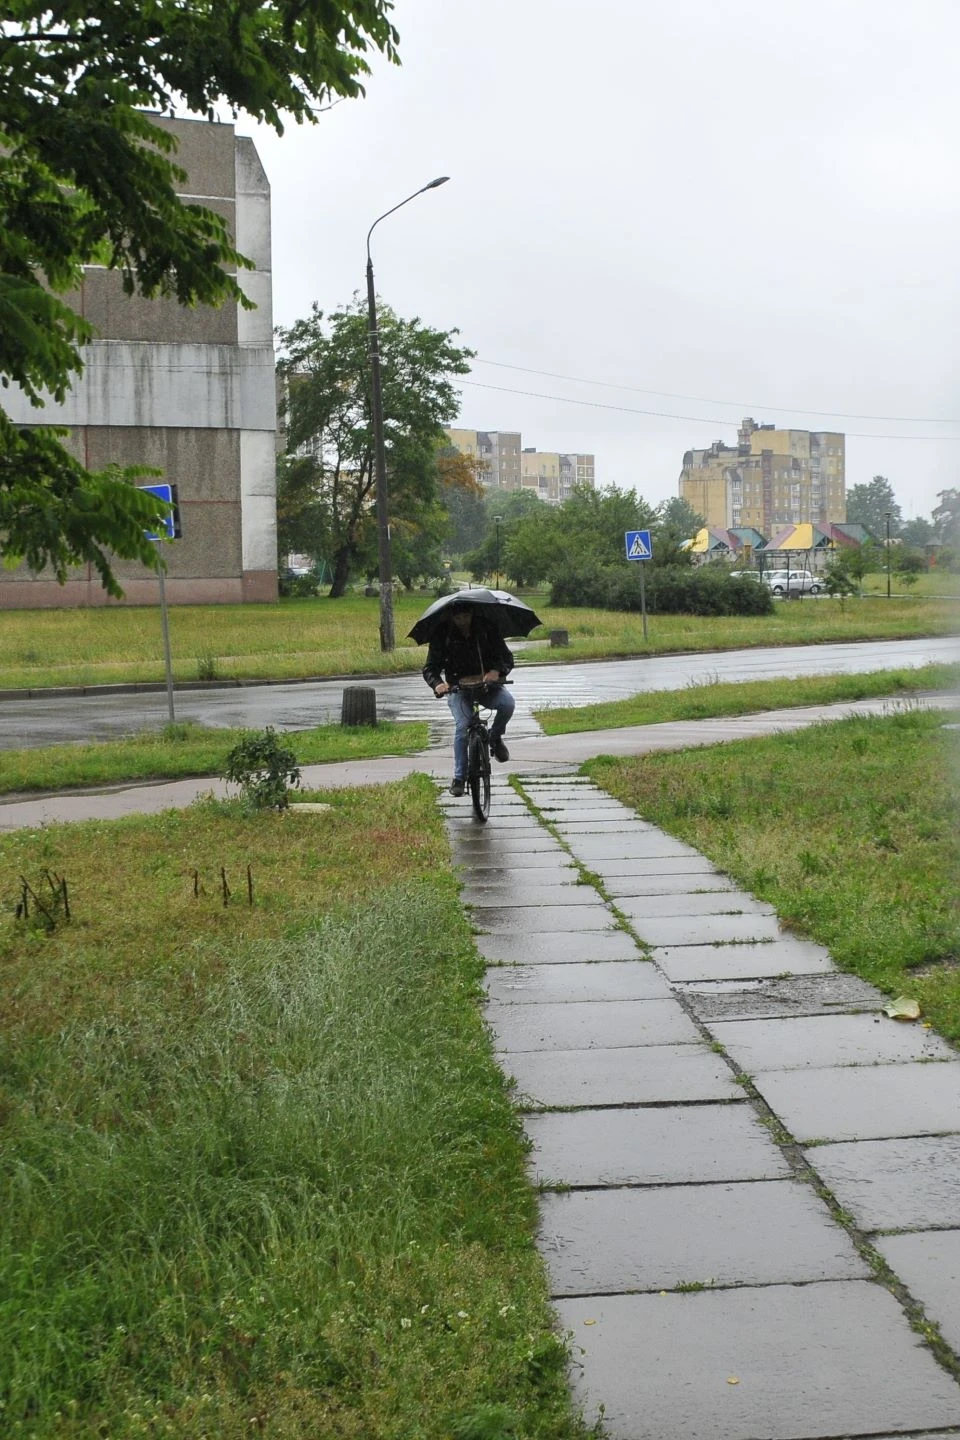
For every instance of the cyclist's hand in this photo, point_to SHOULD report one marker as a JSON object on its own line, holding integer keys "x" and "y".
{"x": 441, "y": 689}
{"x": 492, "y": 677}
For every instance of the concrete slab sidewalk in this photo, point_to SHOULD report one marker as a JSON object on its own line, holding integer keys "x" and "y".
{"x": 710, "y": 1286}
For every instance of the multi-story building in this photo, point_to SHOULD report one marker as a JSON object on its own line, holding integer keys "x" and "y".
{"x": 189, "y": 391}
{"x": 770, "y": 478}
{"x": 506, "y": 465}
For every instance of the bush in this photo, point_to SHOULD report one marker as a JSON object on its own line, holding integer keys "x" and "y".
{"x": 264, "y": 769}
{"x": 671, "y": 590}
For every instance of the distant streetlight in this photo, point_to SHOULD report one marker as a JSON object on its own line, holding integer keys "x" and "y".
{"x": 887, "y": 518}
{"x": 496, "y": 520}
{"x": 387, "y": 640}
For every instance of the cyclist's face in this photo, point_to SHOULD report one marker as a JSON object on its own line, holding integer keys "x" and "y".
{"x": 462, "y": 619}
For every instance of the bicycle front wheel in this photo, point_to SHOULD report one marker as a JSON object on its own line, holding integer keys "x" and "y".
{"x": 478, "y": 770}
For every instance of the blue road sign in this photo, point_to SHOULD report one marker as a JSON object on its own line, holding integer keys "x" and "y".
{"x": 638, "y": 545}
{"x": 171, "y": 524}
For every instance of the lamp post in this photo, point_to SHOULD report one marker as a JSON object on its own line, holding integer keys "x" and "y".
{"x": 887, "y": 518}
{"x": 496, "y": 520}
{"x": 379, "y": 453}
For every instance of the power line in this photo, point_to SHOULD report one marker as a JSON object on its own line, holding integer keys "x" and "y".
{"x": 670, "y": 415}
{"x": 741, "y": 405}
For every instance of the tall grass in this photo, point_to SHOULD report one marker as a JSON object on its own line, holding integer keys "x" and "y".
{"x": 850, "y": 829}
{"x": 273, "y": 1187}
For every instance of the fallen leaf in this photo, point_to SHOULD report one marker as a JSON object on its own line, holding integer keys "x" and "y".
{"x": 903, "y": 1008}
{"x": 732, "y": 1380}
{"x": 589, "y": 1322}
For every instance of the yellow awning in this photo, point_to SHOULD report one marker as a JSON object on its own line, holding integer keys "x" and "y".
{"x": 701, "y": 542}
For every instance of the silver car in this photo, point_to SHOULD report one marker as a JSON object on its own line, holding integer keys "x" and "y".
{"x": 793, "y": 582}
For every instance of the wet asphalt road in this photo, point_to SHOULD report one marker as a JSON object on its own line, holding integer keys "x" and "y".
{"x": 48, "y": 721}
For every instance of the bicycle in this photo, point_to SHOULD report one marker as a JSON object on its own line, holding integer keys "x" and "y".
{"x": 478, "y": 747}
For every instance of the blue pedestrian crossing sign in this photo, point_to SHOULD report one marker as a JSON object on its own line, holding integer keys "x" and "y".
{"x": 171, "y": 522}
{"x": 638, "y": 545}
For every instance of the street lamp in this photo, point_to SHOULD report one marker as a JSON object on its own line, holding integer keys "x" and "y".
{"x": 887, "y": 518}
{"x": 379, "y": 453}
{"x": 496, "y": 520}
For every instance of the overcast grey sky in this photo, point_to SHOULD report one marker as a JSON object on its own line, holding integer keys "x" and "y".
{"x": 752, "y": 202}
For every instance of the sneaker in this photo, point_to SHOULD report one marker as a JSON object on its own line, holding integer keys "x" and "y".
{"x": 456, "y": 787}
{"x": 500, "y": 750}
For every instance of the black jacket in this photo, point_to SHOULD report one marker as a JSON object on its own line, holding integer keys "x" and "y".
{"x": 452, "y": 655}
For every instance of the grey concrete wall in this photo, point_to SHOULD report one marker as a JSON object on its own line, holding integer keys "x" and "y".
{"x": 191, "y": 392}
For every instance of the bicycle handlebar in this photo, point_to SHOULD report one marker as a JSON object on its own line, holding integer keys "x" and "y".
{"x": 483, "y": 685}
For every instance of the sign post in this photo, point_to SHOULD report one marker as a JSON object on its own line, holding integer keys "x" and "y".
{"x": 638, "y": 547}
{"x": 172, "y": 531}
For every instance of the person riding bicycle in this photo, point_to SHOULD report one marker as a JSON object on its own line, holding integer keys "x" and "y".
{"x": 468, "y": 650}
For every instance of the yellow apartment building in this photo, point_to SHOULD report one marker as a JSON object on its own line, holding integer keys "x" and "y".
{"x": 771, "y": 477}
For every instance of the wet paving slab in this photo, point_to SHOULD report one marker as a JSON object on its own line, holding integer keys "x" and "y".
{"x": 590, "y": 1025}
{"x": 781, "y": 1362}
{"x": 633, "y": 867}
{"x": 686, "y": 905}
{"x": 633, "y": 1075}
{"x": 607, "y": 981}
{"x": 615, "y": 1241}
{"x": 658, "y": 1145}
{"x": 819, "y": 1041}
{"x": 626, "y": 886}
{"x": 910, "y": 1184}
{"x": 929, "y": 1266}
{"x": 864, "y": 1103}
{"x": 493, "y": 869}
{"x": 560, "y": 948}
{"x": 563, "y": 891}
{"x": 742, "y": 962}
{"x": 705, "y": 930}
{"x": 826, "y": 994}
{"x": 626, "y": 845}
{"x": 491, "y": 918}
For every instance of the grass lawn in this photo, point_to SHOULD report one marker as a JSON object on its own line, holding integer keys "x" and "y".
{"x": 849, "y": 829}
{"x": 186, "y": 748}
{"x": 931, "y": 582}
{"x": 260, "y": 1174}
{"x": 710, "y": 698}
{"x": 297, "y": 638}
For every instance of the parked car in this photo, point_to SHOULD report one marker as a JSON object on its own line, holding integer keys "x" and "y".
{"x": 793, "y": 582}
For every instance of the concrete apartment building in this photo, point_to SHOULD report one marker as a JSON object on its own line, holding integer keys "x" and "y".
{"x": 191, "y": 392}
{"x": 770, "y": 478}
{"x": 506, "y": 465}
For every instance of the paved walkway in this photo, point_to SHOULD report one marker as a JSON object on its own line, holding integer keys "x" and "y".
{"x": 732, "y": 1139}
{"x": 731, "y": 1136}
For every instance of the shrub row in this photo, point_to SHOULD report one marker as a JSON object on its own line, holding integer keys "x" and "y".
{"x": 671, "y": 590}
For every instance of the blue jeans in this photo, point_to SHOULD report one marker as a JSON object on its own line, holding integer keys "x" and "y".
{"x": 461, "y": 707}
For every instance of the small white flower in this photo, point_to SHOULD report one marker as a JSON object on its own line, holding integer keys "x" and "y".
{"x": 424, "y": 1309}
{"x": 462, "y": 1315}
{"x": 405, "y": 1323}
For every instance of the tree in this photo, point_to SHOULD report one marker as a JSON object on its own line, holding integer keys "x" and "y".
{"x": 946, "y": 517}
{"x": 325, "y": 372}
{"x": 85, "y": 177}
{"x": 677, "y": 517}
{"x": 869, "y": 504}
{"x": 918, "y": 532}
{"x": 462, "y": 496}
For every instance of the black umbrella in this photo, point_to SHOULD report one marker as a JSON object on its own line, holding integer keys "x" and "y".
{"x": 498, "y": 607}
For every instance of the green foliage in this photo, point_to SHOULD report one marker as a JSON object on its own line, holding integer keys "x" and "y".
{"x": 325, "y": 369}
{"x": 264, "y": 768}
{"x": 869, "y": 504}
{"x": 670, "y": 590}
{"x": 946, "y": 518}
{"x": 838, "y": 578}
{"x": 86, "y": 177}
{"x": 874, "y": 799}
{"x": 260, "y": 1172}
